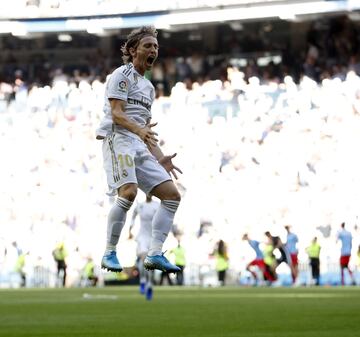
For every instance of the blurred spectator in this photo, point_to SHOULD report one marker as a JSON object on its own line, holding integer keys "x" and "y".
{"x": 221, "y": 261}
{"x": 313, "y": 252}
{"x": 20, "y": 268}
{"x": 90, "y": 273}
{"x": 60, "y": 254}
{"x": 180, "y": 261}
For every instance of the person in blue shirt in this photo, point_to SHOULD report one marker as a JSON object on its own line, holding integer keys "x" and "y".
{"x": 345, "y": 237}
{"x": 291, "y": 246}
{"x": 258, "y": 261}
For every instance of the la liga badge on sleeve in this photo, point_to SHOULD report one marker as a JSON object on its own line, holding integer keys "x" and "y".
{"x": 122, "y": 86}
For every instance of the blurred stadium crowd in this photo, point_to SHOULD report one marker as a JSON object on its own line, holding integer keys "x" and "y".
{"x": 56, "y": 8}
{"x": 260, "y": 147}
{"x": 330, "y": 49}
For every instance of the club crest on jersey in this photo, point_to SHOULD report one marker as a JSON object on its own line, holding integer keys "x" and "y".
{"x": 123, "y": 86}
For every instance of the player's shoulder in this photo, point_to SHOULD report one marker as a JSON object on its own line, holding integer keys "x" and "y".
{"x": 127, "y": 69}
{"x": 124, "y": 71}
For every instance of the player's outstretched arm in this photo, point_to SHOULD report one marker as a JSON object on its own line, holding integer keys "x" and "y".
{"x": 165, "y": 161}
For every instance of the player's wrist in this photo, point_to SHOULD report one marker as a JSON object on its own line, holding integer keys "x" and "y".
{"x": 135, "y": 129}
{"x": 161, "y": 159}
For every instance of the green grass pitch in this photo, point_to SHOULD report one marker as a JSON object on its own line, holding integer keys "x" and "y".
{"x": 181, "y": 312}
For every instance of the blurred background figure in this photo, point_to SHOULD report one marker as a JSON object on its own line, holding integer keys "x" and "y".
{"x": 270, "y": 261}
{"x": 145, "y": 211}
{"x": 90, "y": 273}
{"x": 20, "y": 268}
{"x": 291, "y": 246}
{"x": 59, "y": 254}
{"x": 180, "y": 261}
{"x": 313, "y": 252}
{"x": 19, "y": 261}
{"x": 258, "y": 262}
{"x": 221, "y": 261}
{"x": 281, "y": 248}
{"x": 345, "y": 237}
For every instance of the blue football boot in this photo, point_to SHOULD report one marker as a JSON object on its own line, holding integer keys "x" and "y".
{"x": 149, "y": 293}
{"x": 160, "y": 262}
{"x": 111, "y": 262}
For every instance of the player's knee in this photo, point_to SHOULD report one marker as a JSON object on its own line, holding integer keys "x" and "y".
{"x": 130, "y": 195}
{"x": 177, "y": 196}
{"x": 173, "y": 195}
{"x": 128, "y": 192}
{"x": 171, "y": 203}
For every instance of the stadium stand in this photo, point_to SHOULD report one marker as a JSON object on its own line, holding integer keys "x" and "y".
{"x": 237, "y": 99}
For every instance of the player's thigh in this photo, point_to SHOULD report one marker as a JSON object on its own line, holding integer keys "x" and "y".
{"x": 119, "y": 161}
{"x": 166, "y": 191}
{"x": 149, "y": 174}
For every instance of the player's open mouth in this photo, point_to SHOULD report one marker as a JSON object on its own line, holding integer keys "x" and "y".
{"x": 150, "y": 60}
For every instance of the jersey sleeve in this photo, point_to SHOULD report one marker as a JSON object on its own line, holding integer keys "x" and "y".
{"x": 118, "y": 86}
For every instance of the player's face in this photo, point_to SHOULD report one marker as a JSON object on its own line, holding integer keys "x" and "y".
{"x": 145, "y": 54}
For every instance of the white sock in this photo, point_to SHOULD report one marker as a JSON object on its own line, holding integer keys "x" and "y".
{"x": 149, "y": 277}
{"x": 116, "y": 221}
{"x": 161, "y": 225}
{"x": 142, "y": 271}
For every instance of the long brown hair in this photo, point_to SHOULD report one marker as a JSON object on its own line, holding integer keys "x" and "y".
{"x": 221, "y": 248}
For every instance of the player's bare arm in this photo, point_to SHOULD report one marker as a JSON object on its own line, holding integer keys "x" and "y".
{"x": 165, "y": 161}
{"x": 119, "y": 117}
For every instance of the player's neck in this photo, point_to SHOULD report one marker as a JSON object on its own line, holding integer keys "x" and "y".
{"x": 139, "y": 69}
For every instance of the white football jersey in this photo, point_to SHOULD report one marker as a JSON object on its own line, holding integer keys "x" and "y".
{"x": 146, "y": 212}
{"x": 126, "y": 84}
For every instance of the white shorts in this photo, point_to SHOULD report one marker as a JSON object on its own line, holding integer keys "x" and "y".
{"x": 128, "y": 160}
{"x": 143, "y": 245}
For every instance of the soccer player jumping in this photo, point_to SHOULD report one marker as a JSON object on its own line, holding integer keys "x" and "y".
{"x": 131, "y": 155}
